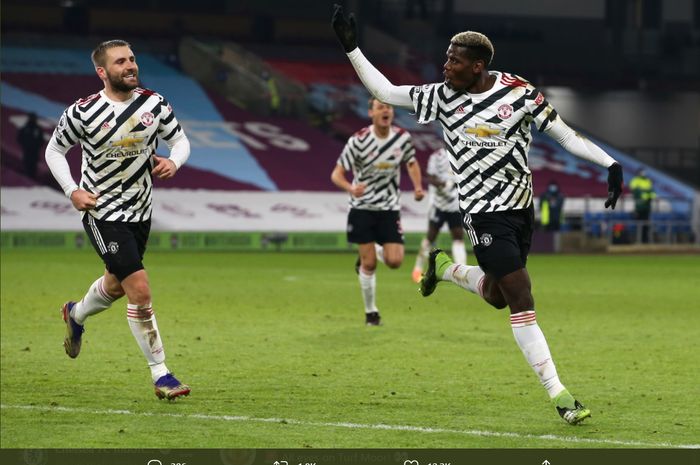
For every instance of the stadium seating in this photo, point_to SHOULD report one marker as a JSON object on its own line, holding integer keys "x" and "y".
{"x": 236, "y": 150}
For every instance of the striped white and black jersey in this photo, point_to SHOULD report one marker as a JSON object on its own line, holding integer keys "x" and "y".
{"x": 118, "y": 140}
{"x": 487, "y": 136}
{"x": 445, "y": 197}
{"x": 377, "y": 163}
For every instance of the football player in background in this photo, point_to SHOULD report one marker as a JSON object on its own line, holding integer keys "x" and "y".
{"x": 443, "y": 208}
{"x": 374, "y": 155}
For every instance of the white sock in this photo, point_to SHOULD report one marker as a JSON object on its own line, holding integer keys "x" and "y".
{"x": 143, "y": 326}
{"x": 459, "y": 253}
{"x": 422, "y": 254}
{"x": 368, "y": 284}
{"x": 379, "y": 251}
{"x": 95, "y": 301}
{"x": 470, "y": 278}
{"x": 532, "y": 343}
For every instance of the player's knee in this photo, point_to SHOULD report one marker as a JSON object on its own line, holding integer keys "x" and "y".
{"x": 141, "y": 294}
{"x": 368, "y": 267}
{"x": 393, "y": 263}
{"x": 368, "y": 271}
{"x": 497, "y": 302}
{"x": 523, "y": 302}
{"x": 114, "y": 289}
{"x": 116, "y": 292}
{"x": 138, "y": 289}
{"x": 493, "y": 295}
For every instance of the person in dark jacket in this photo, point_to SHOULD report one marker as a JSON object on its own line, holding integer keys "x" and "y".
{"x": 31, "y": 139}
{"x": 551, "y": 207}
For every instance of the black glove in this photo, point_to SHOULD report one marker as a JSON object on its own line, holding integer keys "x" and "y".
{"x": 345, "y": 29}
{"x": 614, "y": 185}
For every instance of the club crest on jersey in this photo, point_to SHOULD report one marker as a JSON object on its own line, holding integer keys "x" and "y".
{"x": 505, "y": 111}
{"x": 113, "y": 247}
{"x": 486, "y": 239}
{"x": 147, "y": 118}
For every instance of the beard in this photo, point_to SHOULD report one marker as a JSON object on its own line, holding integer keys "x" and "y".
{"x": 118, "y": 83}
{"x": 463, "y": 88}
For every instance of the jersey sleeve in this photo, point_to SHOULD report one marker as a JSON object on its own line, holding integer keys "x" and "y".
{"x": 168, "y": 127}
{"x": 69, "y": 129}
{"x": 425, "y": 102}
{"x": 408, "y": 149}
{"x": 347, "y": 156}
{"x": 543, "y": 113}
{"x": 432, "y": 168}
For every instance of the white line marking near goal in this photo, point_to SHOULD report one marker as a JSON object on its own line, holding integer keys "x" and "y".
{"x": 417, "y": 429}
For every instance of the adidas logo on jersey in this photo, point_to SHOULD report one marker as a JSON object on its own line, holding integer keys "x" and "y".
{"x": 460, "y": 109}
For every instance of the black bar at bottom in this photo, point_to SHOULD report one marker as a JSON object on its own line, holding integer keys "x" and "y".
{"x": 349, "y": 456}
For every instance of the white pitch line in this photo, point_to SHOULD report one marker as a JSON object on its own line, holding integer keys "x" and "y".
{"x": 380, "y": 426}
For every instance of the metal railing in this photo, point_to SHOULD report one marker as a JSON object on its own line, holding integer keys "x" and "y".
{"x": 241, "y": 77}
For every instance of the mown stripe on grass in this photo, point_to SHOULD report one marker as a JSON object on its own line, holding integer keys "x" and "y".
{"x": 380, "y": 426}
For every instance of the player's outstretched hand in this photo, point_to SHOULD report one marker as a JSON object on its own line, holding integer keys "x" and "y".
{"x": 345, "y": 29}
{"x": 164, "y": 168}
{"x": 614, "y": 185}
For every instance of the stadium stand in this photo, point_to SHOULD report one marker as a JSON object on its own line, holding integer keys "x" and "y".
{"x": 267, "y": 119}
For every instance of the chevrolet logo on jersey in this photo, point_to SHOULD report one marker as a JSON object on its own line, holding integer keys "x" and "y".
{"x": 128, "y": 142}
{"x": 127, "y": 153}
{"x": 483, "y": 131}
{"x": 384, "y": 165}
{"x": 130, "y": 148}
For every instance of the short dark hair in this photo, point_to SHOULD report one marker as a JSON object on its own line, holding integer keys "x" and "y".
{"x": 98, "y": 55}
{"x": 372, "y": 99}
{"x": 476, "y": 45}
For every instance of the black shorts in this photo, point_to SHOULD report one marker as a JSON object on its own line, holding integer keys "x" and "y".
{"x": 121, "y": 245}
{"x": 381, "y": 226}
{"x": 501, "y": 240}
{"x": 437, "y": 217}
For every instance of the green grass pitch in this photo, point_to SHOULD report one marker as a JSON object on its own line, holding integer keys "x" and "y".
{"x": 277, "y": 354}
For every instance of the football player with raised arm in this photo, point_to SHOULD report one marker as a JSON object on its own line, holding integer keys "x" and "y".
{"x": 118, "y": 130}
{"x": 486, "y": 117}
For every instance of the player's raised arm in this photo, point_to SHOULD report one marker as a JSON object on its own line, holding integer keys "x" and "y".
{"x": 580, "y": 146}
{"x": 375, "y": 82}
